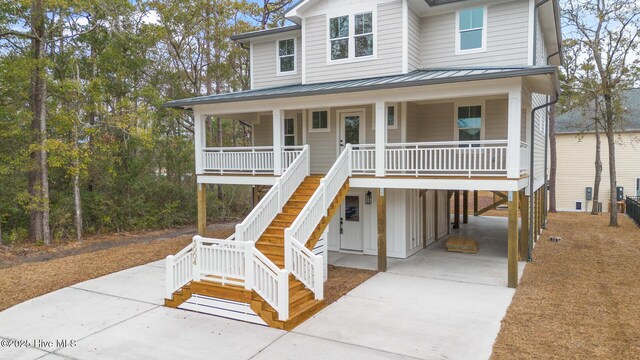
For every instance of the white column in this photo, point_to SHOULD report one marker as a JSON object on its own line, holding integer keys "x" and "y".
{"x": 513, "y": 132}
{"x": 200, "y": 141}
{"x": 381, "y": 137}
{"x": 278, "y": 118}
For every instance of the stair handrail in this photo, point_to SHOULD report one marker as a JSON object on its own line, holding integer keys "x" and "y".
{"x": 254, "y": 225}
{"x": 179, "y": 270}
{"x": 297, "y": 235}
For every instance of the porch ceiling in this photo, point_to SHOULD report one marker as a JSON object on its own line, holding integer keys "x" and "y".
{"x": 542, "y": 79}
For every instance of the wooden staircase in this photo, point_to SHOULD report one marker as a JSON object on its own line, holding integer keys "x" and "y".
{"x": 302, "y": 302}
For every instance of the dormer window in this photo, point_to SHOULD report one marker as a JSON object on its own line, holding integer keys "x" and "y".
{"x": 286, "y": 57}
{"x": 351, "y": 37}
{"x": 339, "y": 37}
{"x": 471, "y": 30}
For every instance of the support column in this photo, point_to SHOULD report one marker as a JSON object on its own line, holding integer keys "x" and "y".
{"x": 475, "y": 202}
{"x": 456, "y": 209}
{"x": 278, "y": 134}
{"x": 381, "y": 138}
{"x": 435, "y": 214}
{"x": 514, "y": 133}
{"x": 423, "y": 216}
{"x": 512, "y": 251}
{"x": 382, "y": 230}
{"x": 523, "y": 244}
{"x": 200, "y": 141}
{"x": 465, "y": 207}
{"x": 202, "y": 209}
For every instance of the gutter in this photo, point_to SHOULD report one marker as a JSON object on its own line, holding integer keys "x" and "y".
{"x": 531, "y": 161}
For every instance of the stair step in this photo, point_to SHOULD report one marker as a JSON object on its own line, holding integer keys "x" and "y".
{"x": 222, "y": 308}
{"x": 266, "y": 247}
{"x": 299, "y": 297}
{"x": 304, "y": 307}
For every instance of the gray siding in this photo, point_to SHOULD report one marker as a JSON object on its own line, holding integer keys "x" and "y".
{"x": 265, "y": 65}
{"x": 323, "y": 147}
{"x": 538, "y": 140}
{"x": 496, "y": 115}
{"x": 412, "y": 122}
{"x": 507, "y": 38}
{"x": 263, "y": 131}
{"x": 436, "y": 122}
{"x": 388, "y": 59}
{"x": 414, "y": 40}
{"x": 393, "y": 135}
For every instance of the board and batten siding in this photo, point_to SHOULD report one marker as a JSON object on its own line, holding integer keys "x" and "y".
{"x": 507, "y": 38}
{"x": 576, "y": 172}
{"x": 265, "y": 65}
{"x": 387, "y": 61}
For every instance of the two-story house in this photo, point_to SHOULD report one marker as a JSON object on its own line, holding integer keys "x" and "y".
{"x": 366, "y": 116}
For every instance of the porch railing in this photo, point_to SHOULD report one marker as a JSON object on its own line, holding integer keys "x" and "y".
{"x": 524, "y": 158}
{"x": 633, "y": 208}
{"x": 445, "y": 158}
{"x": 255, "y": 160}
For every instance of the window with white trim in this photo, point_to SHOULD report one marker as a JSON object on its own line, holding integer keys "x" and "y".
{"x": 319, "y": 121}
{"x": 286, "y": 56}
{"x": 339, "y": 37}
{"x": 363, "y": 34}
{"x": 471, "y": 29}
{"x": 469, "y": 123}
{"x": 392, "y": 117}
{"x": 289, "y": 132}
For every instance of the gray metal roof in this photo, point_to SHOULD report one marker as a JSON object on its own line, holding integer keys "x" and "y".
{"x": 580, "y": 120}
{"x": 265, "y": 32}
{"x": 414, "y": 78}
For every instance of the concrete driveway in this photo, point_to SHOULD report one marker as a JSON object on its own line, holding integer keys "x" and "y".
{"x": 428, "y": 307}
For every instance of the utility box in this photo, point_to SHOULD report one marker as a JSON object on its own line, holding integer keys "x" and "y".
{"x": 589, "y": 193}
{"x": 620, "y": 193}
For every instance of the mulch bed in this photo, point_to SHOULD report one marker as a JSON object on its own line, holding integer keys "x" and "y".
{"x": 580, "y": 297}
{"x": 341, "y": 280}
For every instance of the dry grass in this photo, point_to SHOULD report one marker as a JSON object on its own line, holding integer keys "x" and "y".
{"x": 342, "y": 280}
{"x": 580, "y": 298}
{"x": 31, "y": 279}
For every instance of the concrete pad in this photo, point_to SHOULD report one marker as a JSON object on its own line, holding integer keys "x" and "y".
{"x": 165, "y": 333}
{"x": 297, "y": 346}
{"x": 414, "y": 316}
{"x": 70, "y": 314}
{"x": 160, "y": 263}
{"x": 141, "y": 283}
{"x": 20, "y": 353}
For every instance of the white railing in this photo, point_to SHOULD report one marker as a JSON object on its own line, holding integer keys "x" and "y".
{"x": 524, "y": 158}
{"x": 270, "y": 206}
{"x": 363, "y": 159}
{"x": 255, "y": 160}
{"x": 179, "y": 270}
{"x": 271, "y": 282}
{"x": 221, "y": 261}
{"x": 302, "y": 263}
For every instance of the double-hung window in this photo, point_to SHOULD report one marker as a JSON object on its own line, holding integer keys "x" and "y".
{"x": 339, "y": 37}
{"x": 319, "y": 121}
{"x": 471, "y": 30}
{"x": 286, "y": 56}
{"x": 469, "y": 123}
{"x": 363, "y": 34}
{"x": 289, "y": 132}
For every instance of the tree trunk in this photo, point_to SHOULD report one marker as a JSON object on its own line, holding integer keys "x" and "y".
{"x": 77, "y": 200}
{"x": 553, "y": 166}
{"x": 610, "y": 131}
{"x": 598, "y": 177}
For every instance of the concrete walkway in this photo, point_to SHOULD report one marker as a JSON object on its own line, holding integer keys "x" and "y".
{"x": 435, "y": 305}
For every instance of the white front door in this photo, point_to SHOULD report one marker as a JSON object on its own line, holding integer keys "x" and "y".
{"x": 351, "y": 129}
{"x": 351, "y": 219}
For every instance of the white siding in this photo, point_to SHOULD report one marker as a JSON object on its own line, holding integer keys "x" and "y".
{"x": 414, "y": 40}
{"x": 388, "y": 59}
{"x": 507, "y": 38}
{"x": 541, "y": 49}
{"x": 265, "y": 64}
{"x": 538, "y": 140}
{"x": 413, "y": 242}
{"x": 576, "y": 170}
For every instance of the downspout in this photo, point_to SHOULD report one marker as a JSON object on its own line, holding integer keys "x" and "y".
{"x": 531, "y": 161}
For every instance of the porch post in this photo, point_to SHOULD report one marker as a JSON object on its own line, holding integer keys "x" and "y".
{"x": 382, "y": 230}
{"x": 523, "y": 244}
{"x": 202, "y": 209}
{"x": 512, "y": 247}
{"x": 475, "y": 202}
{"x": 278, "y": 117}
{"x": 456, "y": 209}
{"x": 381, "y": 138}
{"x": 514, "y": 130}
{"x": 465, "y": 207}
{"x": 199, "y": 132}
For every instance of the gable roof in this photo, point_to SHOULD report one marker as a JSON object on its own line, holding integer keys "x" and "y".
{"x": 414, "y": 78}
{"x": 578, "y": 119}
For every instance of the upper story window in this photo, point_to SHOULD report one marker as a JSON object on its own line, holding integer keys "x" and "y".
{"x": 351, "y": 36}
{"x": 339, "y": 37}
{"x": 471, "y": 30}
{"x": 469, "y": 123}
{"x": 286, "y": 56}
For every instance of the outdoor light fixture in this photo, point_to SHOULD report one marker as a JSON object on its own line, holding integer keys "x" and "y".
{"x": 367, "y": 198}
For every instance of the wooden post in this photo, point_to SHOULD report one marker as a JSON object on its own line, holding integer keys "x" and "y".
{"x": 423, "y": 217}
{"x": 456, "y": 209}
{"x": 435, "y": 214}
{"x": 465, "y": 207}
{"x": 202, "y": 209}
{"x": 475, "y": 202}
{"x": 382, "y": 230}
{"x": 512, "y": 251}
{"x": 523, "y": 244}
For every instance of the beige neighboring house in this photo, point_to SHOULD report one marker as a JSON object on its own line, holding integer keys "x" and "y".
{"x": 576, "y": 145}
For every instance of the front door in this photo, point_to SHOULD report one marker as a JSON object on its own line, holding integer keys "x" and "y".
{"x": 351, "y": 223}
{"x": 351, "y": 125}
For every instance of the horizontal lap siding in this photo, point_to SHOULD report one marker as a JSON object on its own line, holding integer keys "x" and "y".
{"x": 414, "y": 40}
{"x": 263, "y": 131}
{"x": 264, "y": 65}
{"x": 507, "y": 38}
{"x": 496, "y": 119}
{"x": 539, "y": 140}
{"x": 323, "y": 148}
{"x": 412, "y": 122}
{"x": 389, "y": 49}
{"x": 435, "y": 122}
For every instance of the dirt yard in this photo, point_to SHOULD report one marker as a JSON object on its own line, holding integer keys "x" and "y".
{"x": 580, "y": 297}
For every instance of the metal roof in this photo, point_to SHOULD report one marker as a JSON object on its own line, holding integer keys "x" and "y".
{"x": 265, "y": 32}
{"x": 580, "y": 120}
{"x": 414, "y": 78}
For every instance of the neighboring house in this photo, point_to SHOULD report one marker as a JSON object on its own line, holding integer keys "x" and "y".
{"x": 366, "y": 116}
{"x": 576, "y": 149}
